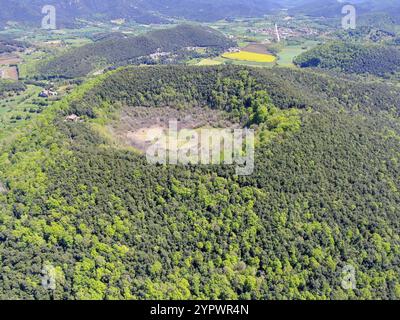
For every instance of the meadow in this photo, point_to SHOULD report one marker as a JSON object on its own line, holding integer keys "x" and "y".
{"x": 288, "y": 53}
{"x": 208, "y": 62}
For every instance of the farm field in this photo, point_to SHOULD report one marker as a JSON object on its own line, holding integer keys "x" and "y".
{"x": 208, "y": 62}
{"x": 9, "y": 59}
{"x": 288, "y": 53}
{"x": 250, "y": 56}
{"x": 256, "y": 48}
{"x": 286, "y": 56}
{"x": 223, "y": 60}
{"x": 10, "y": 73}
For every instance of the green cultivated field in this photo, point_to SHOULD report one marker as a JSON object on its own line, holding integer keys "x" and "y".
{"x": 288, "y": 53}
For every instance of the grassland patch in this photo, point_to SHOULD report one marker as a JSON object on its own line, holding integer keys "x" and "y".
{"x": 208, "y": 62}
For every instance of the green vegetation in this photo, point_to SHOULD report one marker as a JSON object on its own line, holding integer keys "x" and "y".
{"x": 353, "y": 58}
{"x": 18, "y": 107}
{"x": 9, "y": 86}
{"x": 8, "y": 45}
{"x": 324, "y": 194}
{"x": 153, "y": 12}
{"x": 78, "y": 197}
{"x": 118, "y": 51}
{"x": 208, "y": 62}
{"x": 288, "y": 52}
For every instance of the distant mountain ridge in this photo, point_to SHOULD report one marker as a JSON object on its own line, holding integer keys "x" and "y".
{"x": 161, "y": 11}
{"x": 333, "y": 8}
{"x": 149, "y": 11}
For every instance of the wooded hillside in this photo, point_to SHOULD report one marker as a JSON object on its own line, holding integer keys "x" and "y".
{"x": 324, "y": 194}
{"x": 348, "y": 57}
{"x": 118, "y": 51}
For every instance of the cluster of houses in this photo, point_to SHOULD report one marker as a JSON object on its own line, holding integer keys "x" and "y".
{"x": 233, "y": 50}
{"x": 277, "y": 33}
{"x": 47, "y": 93}
{"x": 157, "y": 55}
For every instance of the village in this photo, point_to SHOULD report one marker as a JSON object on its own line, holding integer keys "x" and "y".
{"x": 277, "y": 32}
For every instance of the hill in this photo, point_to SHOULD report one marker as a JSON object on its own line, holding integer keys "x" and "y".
{"x": 333, "y": 8}
{"x": 145, "y": 12}
{"x": 213, "y": 10}
{"x": 117, "y": 51}
{"x": 356, "y": 58}
{"x": 324, "y": 194}
{"x": 29, "y": 12}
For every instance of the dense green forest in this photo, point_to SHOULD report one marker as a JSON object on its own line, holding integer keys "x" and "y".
{"x": 7, "y": 45}
{"x": 288, "y": 89}
{"x": 118, "y": 51}
{"x": 368, "y": 34}
{"x": 356, "y": 58}
{"x": 324, "y": 194}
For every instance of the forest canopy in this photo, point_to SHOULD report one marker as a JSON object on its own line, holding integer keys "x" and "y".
{"x": 350, "y": 57}
{"x": 323, "y": 196}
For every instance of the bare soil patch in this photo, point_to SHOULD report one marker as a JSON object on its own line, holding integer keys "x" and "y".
{"x": 139, "y": 126}
{"x": 8, "y": 59}
{"x": 256, "y": 48}
{"x": 9, "y": 73}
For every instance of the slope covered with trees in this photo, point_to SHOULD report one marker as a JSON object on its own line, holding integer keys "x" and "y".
{"x": 10, "y": 86}
{"x": 146, "y": 12}
{"x": 324, "y": 194}
{"x": 7, "y": 45}
{"x": 117, "y": 51}
{"x": 349, "y": 57}
{"x": 333, "y": 8}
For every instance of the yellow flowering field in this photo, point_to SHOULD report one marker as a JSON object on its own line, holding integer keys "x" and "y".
{"x": 249, "y": 56}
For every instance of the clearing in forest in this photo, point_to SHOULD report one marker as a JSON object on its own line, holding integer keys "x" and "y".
{"x": 138, "y": 126}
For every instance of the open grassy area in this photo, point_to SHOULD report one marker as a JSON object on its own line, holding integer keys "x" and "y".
{"x": 208, "y": 62}
{"x": 288, "y": 53}
{"x": 286, "y": 56}
{"x": 28, "y": 67}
